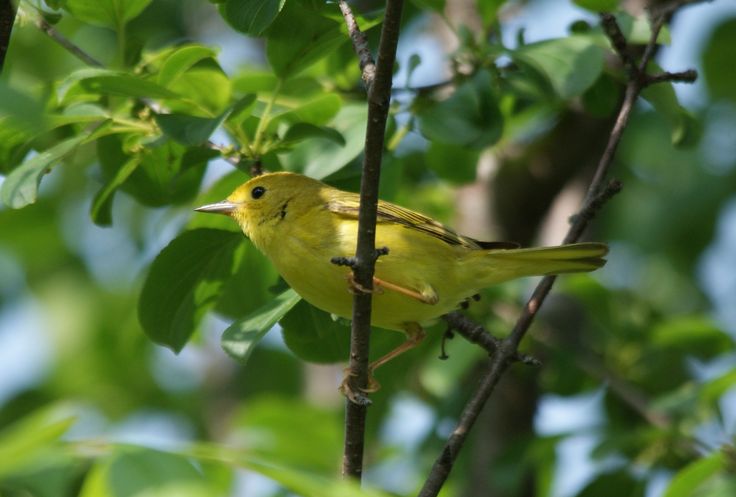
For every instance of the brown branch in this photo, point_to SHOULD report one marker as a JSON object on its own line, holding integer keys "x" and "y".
{"x": 379, "y": 97}
{"x": 360, "y": 44}
{"x": 507, "y": 349}
{"x": 689, "y": 76}
{"x": 7, "y": 19}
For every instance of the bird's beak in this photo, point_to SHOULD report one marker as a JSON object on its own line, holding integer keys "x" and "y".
{"x": 223, "y": 207}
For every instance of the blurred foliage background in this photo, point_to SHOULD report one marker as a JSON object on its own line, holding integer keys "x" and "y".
{"x": 500, "y": 111}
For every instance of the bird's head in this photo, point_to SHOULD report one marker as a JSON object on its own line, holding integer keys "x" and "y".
{"x": 264, "y": 202}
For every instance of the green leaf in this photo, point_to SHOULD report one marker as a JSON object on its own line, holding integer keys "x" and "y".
{"x": 469, "y": 118}
{"x": 109, "y": 13}
{"x": 686, "y": 482}
{"x": 29, "y": 439}
{"x": 101, "y": 209}
{"x": 169, "y": 173}
{"x": 436, "y": 5}
{"x": 21, "y": 111}
{"x": 638, "y": 30}
{"x": 321, "y": 157}
{"x": 718, "y": 67}
{"x": 317, "y": 111}
{"x": 189, "y": 130}
{"x": 184, "y": 281}
{"x": 126, "y": 85}
{"x": 180, "y": 61}
{"x": 143, "y": 472}
{"x": 302, "y": 131}
{"x": 20, "y": 188}
{"x": 314, "y": 336}
{"x": 601, "y": 99}
{"x": 299, "y": 38}
{"x": 571, "y": 64}
{"x": 663, "y": 98}
{"x": 598, "y": 5}
{"x": 251, "y": 17}
{"x": 239, "y": 339}
{"x": 453, "y": 162}
{"x": 269, "y": 426}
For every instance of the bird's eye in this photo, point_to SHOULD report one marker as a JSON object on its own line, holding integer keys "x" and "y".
{"x": 257, "y": 192}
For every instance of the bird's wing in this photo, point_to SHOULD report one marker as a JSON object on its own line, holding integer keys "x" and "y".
{"x": 347, "y": 206}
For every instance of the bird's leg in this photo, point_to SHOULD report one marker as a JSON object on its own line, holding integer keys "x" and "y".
{"x": 415, "y": 335}
{"x": 428, "y": 296}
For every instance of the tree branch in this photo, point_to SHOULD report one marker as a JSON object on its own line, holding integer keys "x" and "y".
{"x": 7, "y": 19}
{"x": 360, "y": 44}
{"x": 597, "y": 195}
{"x": 379, "y": 97}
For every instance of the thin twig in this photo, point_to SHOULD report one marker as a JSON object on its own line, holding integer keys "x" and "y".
{"x": 507, "y": 349}
{"x": 7, "y": 19}
{"x": 68, "y": 45}
{"x": 379, "y": 97}
{"x": 360, "y": 44}
{"x": 689, "y": 76}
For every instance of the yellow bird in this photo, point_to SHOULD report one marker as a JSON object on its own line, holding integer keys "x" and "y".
{"x": 300, "y": 224}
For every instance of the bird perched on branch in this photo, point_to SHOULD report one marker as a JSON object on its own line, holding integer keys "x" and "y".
{"x": 303, "y": 226}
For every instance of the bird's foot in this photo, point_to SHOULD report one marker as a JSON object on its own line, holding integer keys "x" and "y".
{"x": 358, "y": 395}
{"x": 356, "y": 288}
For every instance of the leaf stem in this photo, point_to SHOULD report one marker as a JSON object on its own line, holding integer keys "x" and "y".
{"x": 255, "y": 148}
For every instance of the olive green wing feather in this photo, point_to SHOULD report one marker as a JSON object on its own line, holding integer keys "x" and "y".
{"x": 348, "y": 205}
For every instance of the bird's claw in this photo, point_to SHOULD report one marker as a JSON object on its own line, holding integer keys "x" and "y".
{"x": 356, "y": 288}
{"x": 358, "y": 395}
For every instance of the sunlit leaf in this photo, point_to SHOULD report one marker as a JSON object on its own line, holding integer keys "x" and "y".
{"x": 25, "y": 441}
{"x": 686, "y": 482}
{"x": 126, "y": 85}
{"x": 109, "y": 13}
{"x": 180, "y": 61}
{"x": 239, "y": 339}
{"x": 20, "y": 188}
{"x": 570, "y": 64}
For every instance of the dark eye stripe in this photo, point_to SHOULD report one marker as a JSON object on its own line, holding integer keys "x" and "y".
{"x": 257, "y": 192}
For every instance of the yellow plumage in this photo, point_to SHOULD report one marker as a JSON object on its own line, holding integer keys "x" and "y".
{"x": 300, "y": 224}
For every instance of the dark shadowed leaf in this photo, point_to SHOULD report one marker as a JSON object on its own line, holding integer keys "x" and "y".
{"x": 598, "y": 5}
{"x": 101, "y": 209}
{"x": 718, "y": 67}
{"x": 184, "y": 282}
{"x": 251, "y": 17}
{"x": 189, "y": 130}
{"x": 299, "y": 38}
{"x": 302, "y": 131}
{"x": 314, "y": 336}
{"x": 469, "y": 118}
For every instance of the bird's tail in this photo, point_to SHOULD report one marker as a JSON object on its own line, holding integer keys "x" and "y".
{"x": 504, "y": 265}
